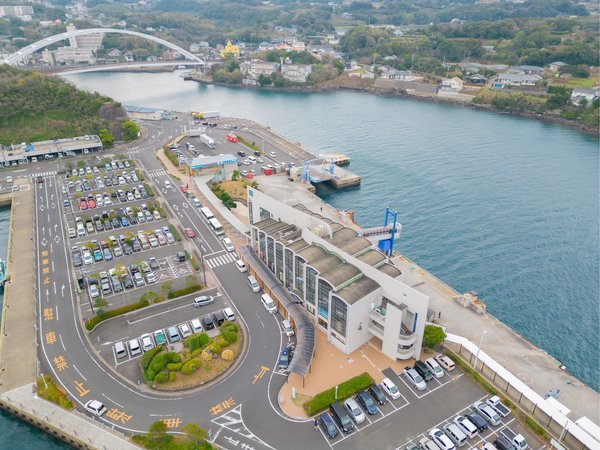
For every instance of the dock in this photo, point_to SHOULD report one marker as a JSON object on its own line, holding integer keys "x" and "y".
{"x": 339, "y": 159}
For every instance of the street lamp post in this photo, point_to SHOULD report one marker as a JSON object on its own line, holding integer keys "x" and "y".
{"x": 479, "y": 348}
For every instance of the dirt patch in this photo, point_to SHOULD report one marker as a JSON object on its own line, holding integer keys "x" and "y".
{"x": 236, "y": 189}
{"x": 218, "y": 366}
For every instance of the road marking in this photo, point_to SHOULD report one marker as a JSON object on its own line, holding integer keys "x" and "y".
{"x": 131, "y": 322}
{"x": 260, "y": 374}
{"x": 111, "y": 400}
{"x": 62, "y": 343}
{"x": 80, "y": 388}
{"x": 79, "y": 372}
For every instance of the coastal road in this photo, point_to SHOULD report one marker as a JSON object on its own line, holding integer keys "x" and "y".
{"x": 240, "y": 408}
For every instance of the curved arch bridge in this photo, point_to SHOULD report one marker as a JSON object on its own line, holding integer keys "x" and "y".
{"x": 17, "y": 57}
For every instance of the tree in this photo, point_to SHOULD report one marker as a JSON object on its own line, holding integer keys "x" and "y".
{"x": 432, "y": 336}
{"x": 166, "y": 287}
{"x": 196, "y": 434}
{"x": 130, "y": 130}
{"x": 235, "y": 175}
{"x": 264, "y": 80}
{"x": 106, "y": 137}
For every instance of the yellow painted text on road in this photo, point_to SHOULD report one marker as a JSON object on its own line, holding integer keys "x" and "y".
{"x": 45, "y": 253}
{"x": 45, "y": 270}
{"x": 118, "y": 415}
{"x": 81, "y": 389}
{"x": 48, "y": 313}
{"x": 46, "y": 280}
{"x": 60, "y": 363}
{"x": 45, "y": 262}
{"x": 50, "y": 337}
{"x": 222, "y": 407}
{"x": 172, "y": 422}
{"x": 260, "y": 374}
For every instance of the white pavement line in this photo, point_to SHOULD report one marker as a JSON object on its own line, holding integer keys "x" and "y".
{"x": 109, "y": 399}
{"x": 75, "y": 367}
{"x": 56, "y": 310}
{"x": 131, "y": 322}
{"x": 62, "y": 343}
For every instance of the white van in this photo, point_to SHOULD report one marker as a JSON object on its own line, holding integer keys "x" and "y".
{"x": 287, "y": 328}
{"x": 455, "y": 435}
{"x": 241, "y": 266}
{"x": 120, "y": 350}
{"x": 168, "y": 184}
{"x": 252, "y": 159}
{"x": 445, "y": 362}
{"x": 229, "y": 315}
{"x": 228, "y": 245}
{"x": 207, "y": 212}
{"x": 253, "y": 284}
{"x": 134, "y": 347}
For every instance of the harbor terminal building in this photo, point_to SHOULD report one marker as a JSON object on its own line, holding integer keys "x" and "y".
{"x": 349, "y": 289}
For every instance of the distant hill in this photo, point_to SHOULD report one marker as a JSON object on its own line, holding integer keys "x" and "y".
{"x": 36, "y": 107}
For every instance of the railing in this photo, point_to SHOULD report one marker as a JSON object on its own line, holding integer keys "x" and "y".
{"x": 405, "y": 353}
{"x": 377, "y": 315}
{"x": 376, "y": 329}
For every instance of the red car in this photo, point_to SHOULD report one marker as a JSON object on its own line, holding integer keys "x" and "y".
{"x": 232, "y": 137}
{"x": 91, "y": 203}
{"x": 184, "y": 188}
{"x": 190, "y": 233}
{"x": 83, "y": 205}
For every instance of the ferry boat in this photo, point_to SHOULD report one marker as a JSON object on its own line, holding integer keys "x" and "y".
{"x": 2, "y": 272}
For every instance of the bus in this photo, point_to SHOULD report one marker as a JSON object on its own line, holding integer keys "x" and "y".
{"x": 216, "y": 226}
{"x": 207, "y": 212}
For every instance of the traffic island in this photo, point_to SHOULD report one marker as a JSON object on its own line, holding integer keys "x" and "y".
{"x": 202, "y": 360}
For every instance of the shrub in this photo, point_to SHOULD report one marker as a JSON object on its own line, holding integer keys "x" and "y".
{"x": 322, "y": 400}
{"x": 102, "y": 315}
{"x": 171, "y": 376}
{"x": 193, "y": 342}
{"x": 207, "y": 367}
{"x": 227, "y": 355}
{"x": 175, "y": 232}
{"x": 158, "y": 364}
{"x": 174, "y": 367}
{"x": 229, "y": 326}
{"x": 174, "y": 357}
{"x": 206, "y": 355}
{"x": 149, "y": 190}
{"x": 197, "y": 352}
{"x": 191, "y": 366}
{"x": 228, "y": 336}
{"x": 147, "y": 357}
{"x": 53, "y": 393}
{"x": 161, "y": 377}
{"x": 184, "y": 291}
{"x": 214, "y": 348}
{"x": 432, "y": 336}
{"x": 221, "y": 342}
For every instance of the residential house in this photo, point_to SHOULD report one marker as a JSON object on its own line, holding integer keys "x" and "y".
{"x": 388, "y": 73}
{"x": 476, "y": 79}
{"x": 452, "y": 84}
{"x": 257, "y": 67}
{"x": 556, "y": 66}
{"x": 297, "y": 73}
{"x": 515, "y": 79}
{"x": 231, "y": 49}
{"x": 115, "y": 53}
{"x": 530, "y": 70}
{"x": 587, "y": 94}
{"x": 489, "y": 48}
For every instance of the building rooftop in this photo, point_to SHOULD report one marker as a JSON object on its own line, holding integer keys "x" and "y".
{"x": 312, "y": 253}
{"x": 212, "y": 161}
{"x": 390, "y": 270}
{"x": 298, "y": 245}
{"x": 340, "y": 274}
{"x": 326, "y": 263}
{"x": 372, "y": 257}
{"x": 357, "y": 290}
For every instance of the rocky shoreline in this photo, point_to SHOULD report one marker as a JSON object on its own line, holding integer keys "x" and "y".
{"x": 400, "y": 93}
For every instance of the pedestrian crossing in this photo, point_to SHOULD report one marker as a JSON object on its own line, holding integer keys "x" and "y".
{"x": 158, "y": 173}
{"x": 221, "y": 260}
{"x": 43, "y": 174}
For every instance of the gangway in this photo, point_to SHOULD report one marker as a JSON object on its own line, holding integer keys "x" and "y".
{"x": 318, "y": 170}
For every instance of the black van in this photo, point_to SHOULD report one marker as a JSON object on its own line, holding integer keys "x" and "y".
{"x": 219, "y": 317}
{"x": 501, "y": 443}
{"x": 207, "y": 322}
{"x": 423, "y": 370}
{"x": 341, "y": 417}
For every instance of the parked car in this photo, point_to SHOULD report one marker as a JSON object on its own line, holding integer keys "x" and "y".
{"x": 423, "y": 370}
{"x": 284, "y": 358}
{"x": 159, "y": 337}
{"x": 477, "y": 420}
{"x": 354, "y": 410}
{"x": 441, "y": 440}
{"x": 415, "y": 379}
{"x": 487, "y": 413}
{"x": 147, "y": 342}
{"x": 367, "y": 402}
{"x": 390, "y": 388}
{"x": 377, "y": 394}
{"x": 185, "y": 330}
{"x": 435, "y": 368}
{"x": 95, "y": 407}
{"x": 327, "y": 425}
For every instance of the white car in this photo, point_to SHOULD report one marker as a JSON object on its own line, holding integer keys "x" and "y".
{"x": 228, "y": 245}
{"x": 466, "y": 426}
{"x": 95, "y": 407}
{"x": 417, "y": 381}
{"x": 147, "y": 342}
{"x": 354, "y": 410}
{"x": 196, "y": 325}
{"x": 268, "y": 303}
{"x": 390, "y": 388}
{"x": 94, "y": 291}
{"x": 185, "y": 330}
{"x": 435, "y": 368}
{"x": 441, "y": 440}
{"x": 87, "y": 257}
{"x": 273, "y": 154}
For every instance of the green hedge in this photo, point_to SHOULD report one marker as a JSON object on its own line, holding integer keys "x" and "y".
{"x": 185, "y": 291}
{"x": 197, "y": 341}
{"x": 322, "y": 400}
{"x": 102, "y": 315}
{"x": 147, "y": 357}
{"x": 174, "y": 367}
{"x": 175, "y": 232}
{"x": 191, "y": 366}
{"x": 149, "y": 190}
{"x": 161, "y": 377}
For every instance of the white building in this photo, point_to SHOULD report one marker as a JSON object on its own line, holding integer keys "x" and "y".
{"x": 587, "y": 94}
{"x": 257, "y": 67}
{"x": 297, "y": 73}
{"x": 515, "y": 79}
{"x": 349, "y": 289}
{"x": 16, "y": 11}
{"x": 452, "y": 84}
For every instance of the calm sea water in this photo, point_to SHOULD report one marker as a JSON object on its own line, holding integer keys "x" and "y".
{"x": 15, "y": 433}
{"x": 502, "y": 205}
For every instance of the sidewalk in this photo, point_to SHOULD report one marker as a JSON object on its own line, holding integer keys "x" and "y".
{"x": 330, "y": 367}
{"x": 76, "y": 429}
{"x": 527, "y": 362}
{"x": 17, "y": 337}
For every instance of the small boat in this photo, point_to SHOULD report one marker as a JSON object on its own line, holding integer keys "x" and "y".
{"x": 2, "y": 272}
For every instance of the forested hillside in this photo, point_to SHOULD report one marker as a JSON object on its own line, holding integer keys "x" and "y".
{"x": 35, "y": 107}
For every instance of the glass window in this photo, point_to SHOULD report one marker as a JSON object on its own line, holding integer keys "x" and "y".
{"x": 262, "y": 246}
{"x": 279, "y": 261}
{"x": 311, "y": 282}
{"x": 299, "y": 274}
{"x": 271, "y": 254}
{"x": 339, "y": 314}
{"x": 289, "y": 268}
{"x": 323, "y": 298}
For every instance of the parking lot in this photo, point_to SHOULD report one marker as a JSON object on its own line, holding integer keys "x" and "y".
{"x": 408, "y": 419}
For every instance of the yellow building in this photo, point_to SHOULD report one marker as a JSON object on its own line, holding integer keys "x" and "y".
{"x": 230, "y": 48}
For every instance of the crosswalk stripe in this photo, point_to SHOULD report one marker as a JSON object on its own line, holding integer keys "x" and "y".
{"x": 221, "y": 260}
{"x": 43, "y": 174}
